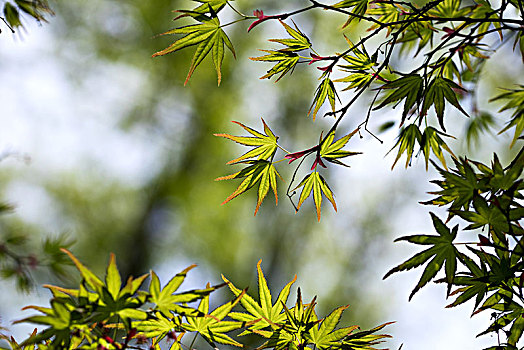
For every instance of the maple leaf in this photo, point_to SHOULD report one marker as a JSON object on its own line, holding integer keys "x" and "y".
{"x": 315, "y": 183}
{"x": 286, "y": 58}
{"x": 166, "y": 300}
{"x": 265, "y": 144}
{"x": 158, "y": 326}
{"x": 208, "y": 36}
{"x": 471, "y": 282}
{"x": 442, "y": 251}
{"x": 260, "y": 171}
{"x": 365, "y": 339}
{"x": 326, "y": 90}
{"x": 406, "y": 141}
{"x": 264, "y": 313}
{"x": 286, "y": 62}
{"x": 331, "y": 151}
{"x": 299, "y": 42}
{"x": 359, "y": 8}
{"x": 431, "y": 141}
{"x": 516, "y": 101}
{"x": 211, "y": 326}
{"x": 409, "y": 87}
{"x": 439, "y": 90}
{"x": 293, "y": 333}
{"x": 325, "y": 336}
{"x": 358, "y": 67}
{"x": 208, "y": 6}
{"x": 328, "y": 150}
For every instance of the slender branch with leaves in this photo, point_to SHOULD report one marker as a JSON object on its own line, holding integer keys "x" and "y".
{"x": 450, "y": 40}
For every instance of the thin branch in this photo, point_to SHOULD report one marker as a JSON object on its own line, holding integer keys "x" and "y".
{"x": 7, "y": 24}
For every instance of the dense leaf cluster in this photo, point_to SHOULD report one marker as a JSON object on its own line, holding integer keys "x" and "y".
{"x": 110, "y": 314}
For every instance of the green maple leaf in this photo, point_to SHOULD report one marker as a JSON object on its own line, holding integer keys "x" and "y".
{"x": 515, "y": 100}
{"x": 294, "y": 332}
{"x": 265, "y": 144}
{"x": 439, "y": 90}
{"x": 326, "y": 90}
{"x": 406, "y": 141}
{"x": 331, "y": 150}
{"x": 484, "y": 215}
{"x": 299, "y": 42}
{"x": 364, "y": 340}
{"x": 448, "y": 8}
{"x": 264, "y": 313}
{"x": 158, "y": 326}
{"x": 167, "y": 301}
{"x": 38, "y": 9}
{"x": 409, "y": 88}
{"x": 458, "y": 187}
{"x": 357, "y": 59}
{"x": 431, "y": 141}
{"x": 442, "y": 251}
{"x": 325, "y": 336}
{"x": 286, "y": 58}
{"x": 208, "y": 6}
{"x": 359, "y": 8}
{"x": 387, "y": 13}
{"x": 211, "y": 326}
{"x": 286, "y": 62}
{"x": 208, "y": 36}
{"x": 60, "y": 323}
{"x": 355, "y": 79}
{"x": 471, "y": 280}
{"x": 260, "y": 171}
{"x": 358, "y": 66}
{"x": 315, "y": 183}
{"x": 111, "y": 297}
{"x": 73, "y": 311}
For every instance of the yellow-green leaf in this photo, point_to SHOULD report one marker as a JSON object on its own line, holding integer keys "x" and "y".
{"x": 315, "y": 183}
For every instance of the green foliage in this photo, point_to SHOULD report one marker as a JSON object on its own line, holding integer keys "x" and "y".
{"x": 315, "y": 183}
{"x": 326, "y": 90}
{"x": 442, "y": 251}
{"x": 488, "y": 198}
{"x": 515, "y": 100}
{"x": 409, "y": 88}
{"x": 208, "y": 35}
{"x": 103, "y": 314}
{"x": 288, "y": 57}
{"x": 453, "y": 39}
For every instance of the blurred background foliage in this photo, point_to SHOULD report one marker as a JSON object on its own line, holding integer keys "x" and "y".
{"x": 165, "y": 212}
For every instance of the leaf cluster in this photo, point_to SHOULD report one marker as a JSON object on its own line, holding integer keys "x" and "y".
{"x": 487, "y": 198}
{"x": 207, "y": 35}
{"x": 261, "y": 167}
{"x": 109, "y": 314}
